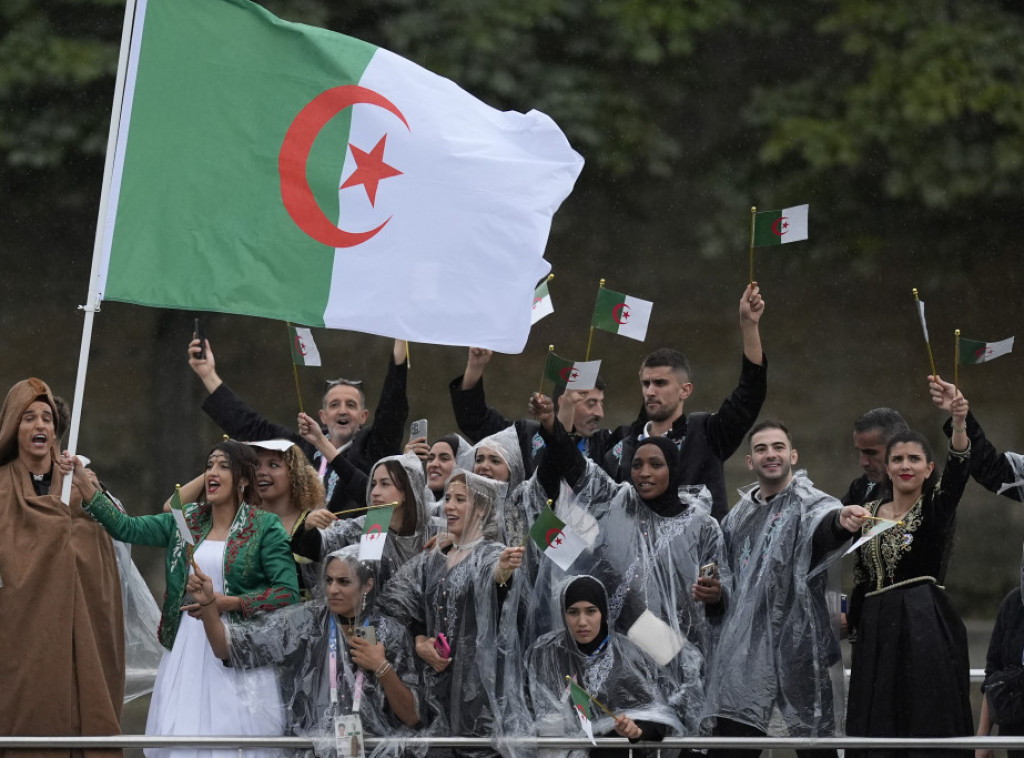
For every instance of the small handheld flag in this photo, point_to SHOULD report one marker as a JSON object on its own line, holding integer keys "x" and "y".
{"x": 924, "y": 326}
{"x": 304, "y": 350}
{"x": 975, "y": 351}
{"x": 555, "y": 540}
{"x": 179, "y": 516}
{"x": 375, "y": 533}
{"x": 542, "y": 304}
{"x": 622, "y": 314}
{"x": 780, "y": 227}
{"x": 581, "y": 704}
{"x": 573, "y": 375}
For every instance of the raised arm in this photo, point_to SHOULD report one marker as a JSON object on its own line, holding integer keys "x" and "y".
{"x": 473, "y": 416}
{"x": 561, "y": 458}
{"x": 388, "y": 428}
{"x": 751, "y": 308}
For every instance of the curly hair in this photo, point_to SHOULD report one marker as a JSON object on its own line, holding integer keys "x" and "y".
{"x": 307, "y": 490}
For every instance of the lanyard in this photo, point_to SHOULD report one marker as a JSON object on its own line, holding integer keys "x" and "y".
{"x": 357, "y": 695}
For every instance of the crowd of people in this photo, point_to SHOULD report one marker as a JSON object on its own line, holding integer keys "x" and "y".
{"x": 682, "y": 615}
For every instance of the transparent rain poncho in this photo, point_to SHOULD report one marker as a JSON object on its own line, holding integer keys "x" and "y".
{"x": 297, "y": 639}
{"x": 451, "y": 590}
{"x": 778, "y": 665}
{"x": 617, "y": 673}
{"x": 506, "y": 444}
{"x": 397, "y": 548}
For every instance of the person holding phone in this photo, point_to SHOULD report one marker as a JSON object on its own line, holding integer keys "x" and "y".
{"x": 245, "y": 552}
{"x": 452, "y": 596}
{"x": 341, "y": 632}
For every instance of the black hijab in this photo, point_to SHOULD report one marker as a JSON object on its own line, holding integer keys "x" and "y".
{"x": 668, "y": 502}
{"x": 590, "y": 590}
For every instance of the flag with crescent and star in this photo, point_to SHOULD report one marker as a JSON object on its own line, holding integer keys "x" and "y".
{"x": 974, "y": 351}
{"x": 622, "y": 314}
{"x": 375, "y": 533}
{"x": 555, "y": 540}
{"x": 274, "y": 169}
{"x": 304, "y": 350}
{"x": 573, "y": 375}
{"x": 581, "y": 704}
{"x": 780, "y": 227}
{"x": 542, "y": 304}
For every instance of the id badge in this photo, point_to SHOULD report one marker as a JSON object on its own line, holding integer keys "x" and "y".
{"x": 348, "y": 735}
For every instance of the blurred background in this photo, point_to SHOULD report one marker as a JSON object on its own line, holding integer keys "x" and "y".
{"x": 901, "y": 124}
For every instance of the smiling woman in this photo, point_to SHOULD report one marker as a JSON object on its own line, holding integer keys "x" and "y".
{"x": 63, "y": 663}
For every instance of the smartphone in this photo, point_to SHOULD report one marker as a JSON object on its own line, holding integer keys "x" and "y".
{"x": 442, "y": 647}
{"x": 368, "y": 633}
{"x": 197, "y": 327}
{"x": 418, "y": 429}
{"x": 708, "y": 570}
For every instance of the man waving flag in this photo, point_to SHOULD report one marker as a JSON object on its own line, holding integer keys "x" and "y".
{"x": 279, "y": 170}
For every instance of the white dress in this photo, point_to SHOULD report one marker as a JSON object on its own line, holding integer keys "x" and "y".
{"x": 197, "y": 695}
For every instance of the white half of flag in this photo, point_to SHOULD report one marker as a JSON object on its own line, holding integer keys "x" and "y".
{"x": 924, "y": 324}
{"x": 881, "y": 526}
{"x": 794, "y": 228}
{"x": 633, "y": 318}
{"x": 564, "y": 547}
{"x": 183, "y": 530}
{"x": 994, "y": 350}
{"x": 306, "y": 347}
{"x": 371, "y": 545}
{"x": 542, "y": 304}
{"x": 583, "y": 375}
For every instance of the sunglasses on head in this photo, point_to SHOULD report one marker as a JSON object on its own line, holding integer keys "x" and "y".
{"x": 357, "y": 383}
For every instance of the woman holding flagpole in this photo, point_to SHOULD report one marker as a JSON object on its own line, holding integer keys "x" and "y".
{"x": 336, "y": 657}
{"x": 450, "y": 597}
{"x": 396, "y": 479}
{"x": 901, "y": 621}
{"x": 245, "y": 552}
{"x": 613, "y": 670}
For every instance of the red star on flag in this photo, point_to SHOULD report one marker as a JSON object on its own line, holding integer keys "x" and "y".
{"x": 370, "y": 169}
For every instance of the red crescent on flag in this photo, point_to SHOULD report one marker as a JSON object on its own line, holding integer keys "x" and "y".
{"x": 300, "y": 345}
{"x": 551, "y": 535}
{"x": 777, "y": 229}
{"x": 373, "y": 532}
{"x": 620, "y": 313}
{"x": 296, "y": 193}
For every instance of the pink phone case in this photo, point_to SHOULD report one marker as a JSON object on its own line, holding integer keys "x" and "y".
{"x": 442, "y": 647}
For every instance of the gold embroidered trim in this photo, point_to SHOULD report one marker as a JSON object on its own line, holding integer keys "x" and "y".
{"x": 905, "y": 583}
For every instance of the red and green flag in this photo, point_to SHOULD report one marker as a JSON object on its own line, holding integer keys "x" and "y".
{"x": 973, "y": 351}
{"x": 542, "y": 305}
{"x": 274, "y": 169}
{"x": 573, "y": 375}
{"x": 179, "y": 517}
{"x": 304, "y": 350}
{"x": 555, "y": 540}
{"x": 375, "y": 533}
{"x": 581, "y": 704}
{"x": 622, "y": 314}
{"x": 780, "y": 227}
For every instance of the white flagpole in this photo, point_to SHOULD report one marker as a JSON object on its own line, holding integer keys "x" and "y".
{"x": 92, "y": 306}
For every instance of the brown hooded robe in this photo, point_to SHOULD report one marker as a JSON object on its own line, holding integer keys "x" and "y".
{"x": 61, "y": 629}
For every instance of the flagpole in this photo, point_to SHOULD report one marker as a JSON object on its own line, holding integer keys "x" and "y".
{"x": 956, "y": 362}
{"x": 92, "y": 305}
{"x": 366, "y": 508}
{"x": 753, "y": 216}
{"x": 551, "y": 349}
{"x": 927, "y": 342}
{"x": 295, "y": 370}
{"x": 590, "y": 339}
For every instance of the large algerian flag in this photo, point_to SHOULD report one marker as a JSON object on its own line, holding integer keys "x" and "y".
{"x": 622, "y": 314}
{"x": 973, "y": 351}
{"x": 573, "y": 375}
{"x": 780, "y": 227}
{"x": 581, "y": 704}
{"x": 275, "y": 169}
{"x": 304, "y": 349}
{"x": 555, "y": 539}
{"x": 375, "y": 533}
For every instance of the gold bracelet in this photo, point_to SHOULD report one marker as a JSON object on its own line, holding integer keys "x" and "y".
{"x": 383, "y": 669}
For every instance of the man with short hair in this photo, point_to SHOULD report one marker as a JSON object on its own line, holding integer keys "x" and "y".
{"x": 778, "y": 650}
{"x": 871, "y": 435}
{"x": 580, "y": 412}
{"x": 343, "y": 415}
{"x": 705, "y": 440}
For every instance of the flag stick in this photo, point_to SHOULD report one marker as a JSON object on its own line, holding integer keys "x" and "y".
{"x": 956, "y": 361}
{"x": 590, "y": 339}
{"x": 753, "y": 215}
{"x": 93, "y": 303}
{"x": 366, "y": 508}
{"x": 295, "y": 370}
{"x": 593, "y": 699}
{"x": 551, "y": 349}
{"x": 928, "y": 344}
{"x": 879, "y": 518}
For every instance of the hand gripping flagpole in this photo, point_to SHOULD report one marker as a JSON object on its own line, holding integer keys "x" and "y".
{"x": 927, "y": 342}
{"x": 590, "y": 339}
{"x": 753, "y": 217}
{"x": 92, "y": 305}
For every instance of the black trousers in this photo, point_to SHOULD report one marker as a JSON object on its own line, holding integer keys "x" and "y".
{"x": 729, "y": 728}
